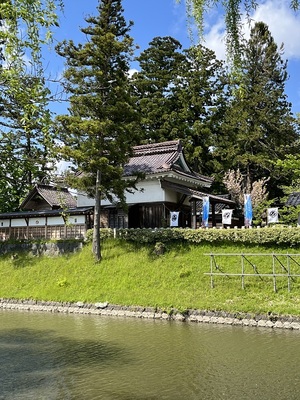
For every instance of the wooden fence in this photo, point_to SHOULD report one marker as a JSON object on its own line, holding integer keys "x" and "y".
{"x": 278, "y": 266}
{"x": 44, "y": 232}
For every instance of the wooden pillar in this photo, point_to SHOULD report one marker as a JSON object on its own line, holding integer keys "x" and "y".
{"x": 194, "y": 215}
{"x": 46, "y": 227}
{"x": 213, "y": 214}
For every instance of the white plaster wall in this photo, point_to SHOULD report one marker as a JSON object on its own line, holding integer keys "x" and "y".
{"x": 55, "y": 221}
{"x": 37, "y": 221}
{"x": 171, "y": 196}
{"x": 18, "y": 222}
{"x": 76, "y": 219}
{"x": 4, "y": 223}
{"x": 147, "y": 191}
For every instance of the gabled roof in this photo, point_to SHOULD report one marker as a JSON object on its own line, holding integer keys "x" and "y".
{"x": 162, "y": 158}
{"x": 54, "y": 196}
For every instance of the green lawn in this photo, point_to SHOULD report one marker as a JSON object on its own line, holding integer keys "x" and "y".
{"x": 131, "y": 274}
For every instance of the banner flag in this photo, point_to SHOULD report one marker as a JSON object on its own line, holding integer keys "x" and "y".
{"x": 174, "y": 216}
{"x": 205, "y": 211}
{"x": 272, "y": 215}
{"x": 226, "y": 217}
{"x": 248, "y": 210}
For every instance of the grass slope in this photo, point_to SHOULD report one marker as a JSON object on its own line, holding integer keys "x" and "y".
{"x": 132, "y": 274}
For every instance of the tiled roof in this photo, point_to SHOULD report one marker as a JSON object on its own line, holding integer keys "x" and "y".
{"x": 160, "y": 157}
{"x": 220, "y": 200}
{"x": 47, "y": 213}
{"x": 293, "y": 199}
{"x": 55, "y": 197}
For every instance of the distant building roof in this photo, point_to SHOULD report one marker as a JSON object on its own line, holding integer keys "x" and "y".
{"x": 47, "y": 213}
{"x": 293, "y": 199}
{"x": 162, "y": 158}
{"x": 56, "y": 197}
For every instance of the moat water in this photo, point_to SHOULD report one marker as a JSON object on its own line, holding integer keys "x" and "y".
{"x": 81, "y": 357}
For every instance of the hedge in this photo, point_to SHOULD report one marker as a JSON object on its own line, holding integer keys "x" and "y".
{"x": 275, "y": 235}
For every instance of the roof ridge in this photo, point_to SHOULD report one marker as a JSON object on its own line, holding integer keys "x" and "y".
{"x": 155, "y": 148}
{"x": 51, "y": 187}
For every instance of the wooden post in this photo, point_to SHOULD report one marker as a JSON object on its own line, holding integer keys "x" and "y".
{"x": 289, "y": 273}
{"x": 194, "y": 215}
{"x": 274, "y": 275}
{"x": 213, "y": 214}
{"x": 211, "y": 272}
{"x": 243, "y": 271}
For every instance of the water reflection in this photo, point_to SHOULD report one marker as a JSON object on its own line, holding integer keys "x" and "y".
{"x": 45, "y": 356}
{"x": 31, "y": 358}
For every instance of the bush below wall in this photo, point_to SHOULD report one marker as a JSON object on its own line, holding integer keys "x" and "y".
{"x": 276, "y": 235}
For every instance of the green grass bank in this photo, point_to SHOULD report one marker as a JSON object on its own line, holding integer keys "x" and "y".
{"x": 132, "y": 274}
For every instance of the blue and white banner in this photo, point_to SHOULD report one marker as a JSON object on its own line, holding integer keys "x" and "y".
{"x": 174, "y": 216}
{"x": 248, "y": 210}
{"x": 205, "y": 211}
{"x": 272, "y": 215}
{"x": 226, "y": 217}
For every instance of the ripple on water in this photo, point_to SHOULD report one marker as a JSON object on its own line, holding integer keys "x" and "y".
{"x": 61, "y": 357}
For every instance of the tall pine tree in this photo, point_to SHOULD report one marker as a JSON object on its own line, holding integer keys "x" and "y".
{"x": 180, "y": 95}
{"x": 259, "y": 126}
{"x": 160, "y": 64}
{"x": 98, "y": 131}
{"x": 200, "y": 89}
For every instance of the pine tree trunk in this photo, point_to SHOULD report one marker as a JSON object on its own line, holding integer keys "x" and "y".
{"x": 97, "y": 213}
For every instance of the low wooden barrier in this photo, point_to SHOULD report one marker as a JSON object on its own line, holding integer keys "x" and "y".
{"x": 44, "y": 232}
{"x": 288, "y": 265}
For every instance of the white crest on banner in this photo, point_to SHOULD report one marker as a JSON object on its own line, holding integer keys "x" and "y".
{"x": 174, "y": 216}
{"x": 272, "y": 215}
{"x": 226, "y": 217}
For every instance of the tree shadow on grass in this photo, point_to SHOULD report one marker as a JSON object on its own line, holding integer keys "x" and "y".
{"x": 20, "y": 260}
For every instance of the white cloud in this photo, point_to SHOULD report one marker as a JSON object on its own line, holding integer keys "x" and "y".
{"x": 132, "y": 71}
{"x": 215, "y": 39}
{"x": 284, "y": 25}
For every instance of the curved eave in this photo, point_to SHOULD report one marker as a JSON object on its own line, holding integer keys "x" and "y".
{"x": 176, "y": 176}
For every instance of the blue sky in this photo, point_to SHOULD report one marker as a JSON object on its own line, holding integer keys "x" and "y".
{"x": 168, "y": 18}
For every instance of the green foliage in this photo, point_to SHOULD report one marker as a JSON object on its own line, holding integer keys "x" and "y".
{"x": 234, "y": 9}
{"x": 180, "y": 95}
{"x": 258, "y": 127}
{"x": 159, "y": 248}
{"x": 280, "y": 235}
{"x": 105, "y": 233}
{"x": 25, "y": 138}
{"x": 153, "y": 87}
{"x": 62, "y": 282}
{"x": 130, "y": 275}
{"x": 98, "y": 132}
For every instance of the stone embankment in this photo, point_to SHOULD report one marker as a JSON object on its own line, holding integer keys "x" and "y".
{"x": 106, "y": 309}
